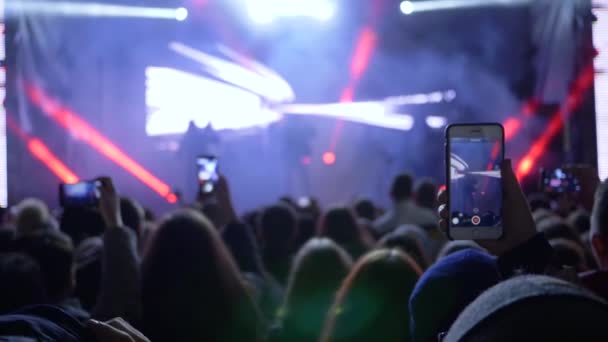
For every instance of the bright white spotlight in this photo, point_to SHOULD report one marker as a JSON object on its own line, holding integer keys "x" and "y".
{"x": 181, "y": 14}
{"x": 406, "y": 7}
{"x": 260, "y": 13}
{"x": 266, "y": 11}
{"x": 436, "y": 121}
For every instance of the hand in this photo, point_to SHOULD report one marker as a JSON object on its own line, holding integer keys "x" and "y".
{"x": 109, "y": 203}
{"x": 518, "y": 224}
{"x": 115, "y": 330}
{"x": 224, "y": 199}
{"x": 589, "y": 181}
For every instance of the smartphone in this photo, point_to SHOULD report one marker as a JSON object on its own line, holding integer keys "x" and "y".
{"x": 207, "y": 173}
{"x": 81, "y": 194}
{"x": 474, "y": 154}
{"x": 559, "y": 181}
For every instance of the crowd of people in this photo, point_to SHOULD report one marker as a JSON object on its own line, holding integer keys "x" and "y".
{"x": 293, "y": 271}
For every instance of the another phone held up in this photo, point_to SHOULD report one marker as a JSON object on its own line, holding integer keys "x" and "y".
{"x": 81, "y": 194}
{"x": 474, "y": 154}
{"x": 559, "y": 181}
{"x": 207, "y": 173}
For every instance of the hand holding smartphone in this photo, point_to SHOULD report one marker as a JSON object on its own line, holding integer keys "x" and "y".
{"x": 81, "y": 194}
{"x": 474, "y": 154}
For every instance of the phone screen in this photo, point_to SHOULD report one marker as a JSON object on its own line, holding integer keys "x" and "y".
{"x": 475, "y": 182}
{"x": 79, "y": 194}
{"x": 207, "y": 173}
{"x": 559, "y": 181}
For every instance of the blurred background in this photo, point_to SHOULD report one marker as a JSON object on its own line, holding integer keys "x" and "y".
{"x": 295, "y": 97}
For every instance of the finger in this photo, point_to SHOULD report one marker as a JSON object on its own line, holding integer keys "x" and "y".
{"x": 442, "y": 197}
{"x": 106, "y": 184}
{"x": 443, "y": 212}
{"x": 105, "y": 332}
{"x": 124, "y": 326}
{"x": 510, "y": 184}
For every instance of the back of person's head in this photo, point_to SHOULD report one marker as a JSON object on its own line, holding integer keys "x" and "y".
{"x": 426, "y": 193}
{"x": 409, "y": 240}
{"x": 365, "y": 208}
{"x": 21, "y": 282}
{"x": 457, "y": 245}
{"x": 7, "y": 239}
{"x": 368, "y": 306}
{"x": 278, "y": 228}
{"x": 402, "y": 187}
{"x": 339, "y": 224}
{"x": 306, "y": 230}
{"x": 133, "y": 215}
{"x": 569, "y": 253}
{"x": 316, "y": 274}
{"x": 81, "y": 223}
{"x": 446, "y": 288}
{"x": 581, "y": 220}
{"x": 191, "y": 287}
{"x": 540, "y": 215}
{"x": 88, "y": 257}
{"x": 240, "y": 241}
{"x": 557, "y": 228}
{"x": 31, "y": 215}
{"x": 55, "y": 254}
{"x": 532, "y": 308}
{"x": 539, "y": 200}
{"x": 599, "y": 226}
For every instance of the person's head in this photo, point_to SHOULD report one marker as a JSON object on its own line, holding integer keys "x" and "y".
{"x": 532, "y": 308}
{"x": 240, "y": 241}
{"x": 278, "y": 228}
{"x": 191, "y": 287}
{"x": 21, "y": 282}
{"x": 409, "y": 240}
{"x": 599, "y": 226}
{"x": 365, "y": 208}
{"x": 54, "y": 253}
{"x": 580, "y": 220}
{"x": 426, "y": 194}
{"x": 557, "y": 228}
{"x": 32, "y": 215}
{"x": 306, "y": 230}
{"x": 457, "y": 245}
{"x": 402, "y": 187}
{"x": 372, "y": 301}
{"x": 539, "y": 200}
{"x": 569, "y": 253}
{"x": 316, "y": 274}
{"x": 339, "y": 224}
{"x": 446, "y": 288}
{"x": 88, "y": 271}
{"x": 133, "y": 215}
{"x": 81, "y": 223}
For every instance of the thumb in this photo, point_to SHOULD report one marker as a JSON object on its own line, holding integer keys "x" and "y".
{"x": 509, "y": 180}
{"x": 107, "y": 333}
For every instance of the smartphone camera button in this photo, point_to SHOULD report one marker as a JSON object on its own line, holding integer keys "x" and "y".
{"x": 476, "y": 220}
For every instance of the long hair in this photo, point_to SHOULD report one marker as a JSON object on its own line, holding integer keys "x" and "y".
{"x": 317, "y": 272}
{"x": 339, "y": 224}
{"x": 372, "y": 303}
{"x": 191, "y": 287}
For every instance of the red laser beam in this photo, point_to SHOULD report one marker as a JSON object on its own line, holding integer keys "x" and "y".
{"x": 573, "y": 101}
{"x": 511, "y": 126}
{"x": 41, "y": 152}
{"x": 70, "y": 120}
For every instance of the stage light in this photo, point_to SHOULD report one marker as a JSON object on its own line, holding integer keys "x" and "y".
{"x": 181, "y": 14}
{"x": 406, "y": 7}
{"x": 329, "y": 158}
{"x": 42, "y": 153}
{"x": 600, "y": 39}
{"x": 75, "y": 9}
{"x": 409, "y": 7}
{"x": 80, "y": 128}
{"x": 436, "y": 121}
{"x": 267, "y": 11}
